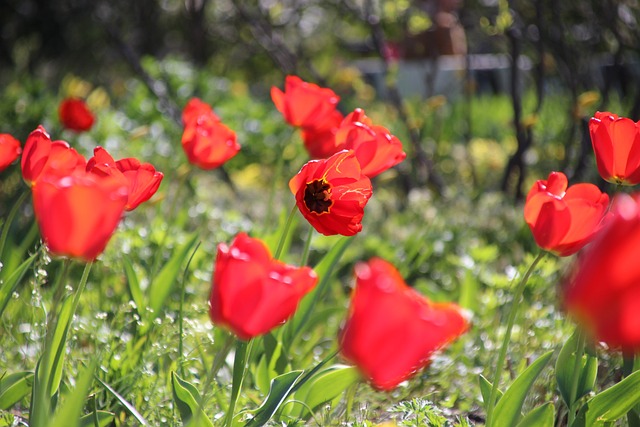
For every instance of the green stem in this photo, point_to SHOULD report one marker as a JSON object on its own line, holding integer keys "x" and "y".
{"x": 9, "y": 221}
{"x": 513, "y": 311}
{"x": 307, "y": 246}
{"x": 181, "y": 313}
{"x": 576, "y": 374}
{"x": 285, "y": 233}
{"x": 243, "y": 349}
{"x": 274, "y": 185}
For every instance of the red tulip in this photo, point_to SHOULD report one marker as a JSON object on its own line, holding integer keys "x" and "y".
{"x": 41, "y": 155}
{"x": 9, "y": 150}
{"x": 332, "y": 193}
{"x": 194, "y": 109}
{"x": 304, "y": 104}
{"x": 604, "y": 292}
{"x": 142, "y": 179}
{"x": 616, "y": 142}
{"x": 320, "y": 141}
{"x": 376, "y": 149}
{"x": 253, "y": 293}
{"x": 75, "y": 115}
{"x": 563, "y": 219}
{"x": 207, "y": 142}
{"x": 391, "y": 330}
{"x": 77, "y": 213}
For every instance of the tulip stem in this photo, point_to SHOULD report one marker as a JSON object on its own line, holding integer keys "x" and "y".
{"x": 243, "y": 350}
{"x": 9, "y": 221}
{"x": 285, "y": 232}
{"x": 513, "y": 311}
{"x": 307, "y": 246}
{"x": 274, "y": 183}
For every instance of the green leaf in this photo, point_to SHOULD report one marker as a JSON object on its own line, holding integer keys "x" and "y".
{"x": 485, "y": 389}
{"x": 187, "y": 399}
{"x": 69, "y": 413}
{"x": 58, "y": 346}
{"x": 14, "y": 387}
{"x": 280, "y": 389}
{"x": 134, "y": 287}
{"x": 507, "y": 412}
{"x": 324, "y": 387}
{"x": 542, "y": 416}
{"x": 128, "y": 406}
{"x": 162, "y": 285}
{"x": 565, "y": 365}
{"x": 614, "y": 402}
{"x": 104, "y": 419}
{"x": 9, "y": 286}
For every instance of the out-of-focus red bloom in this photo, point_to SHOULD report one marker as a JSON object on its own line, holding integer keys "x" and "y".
{"x": 196, "y": 108}
{"x": 208, "y": 143}
{"x": 78, "y": 212}
{"x": 391, "y": 330}
{"x": 9, "y": 150}
{"x": 376, "y": 149}
{"x": 75, "y": 115}
{"x": 304, "y": 104}
{"x": 40, "y": 155}
{"x": 563, "y": 219}
{"x": 253, "y": 293}
{"x": 616, "y": 143}
{"x": 604, "y": 292}
{"x": 332, "y": 193}
{"x": 320, "y": 141}
{"x": 142, "y": 179}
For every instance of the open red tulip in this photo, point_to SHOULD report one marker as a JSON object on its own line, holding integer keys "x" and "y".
{"x": 603, "y": 293}
{"x": 253, "y": 293}
{"x": 77, "y": 213}
{"x": 563, "y": 219}
{"x": 320, "y": 141}
{"x": 40, "y": 155}
{"x": 10, "y": 149}
{"x": 376, "y": 149}
{"x": 304, "y": 104}
{"x": 75, "y": 115}
{"x": 332, "y": 193}
{"x": 142, "y": 179}
{"x": 616, "y": 143}
{"x": 391, "y": 330}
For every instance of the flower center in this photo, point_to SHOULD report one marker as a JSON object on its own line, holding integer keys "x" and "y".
{"x": 317, "y": 196}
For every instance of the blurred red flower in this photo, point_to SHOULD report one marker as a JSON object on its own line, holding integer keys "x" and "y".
{"x": 41, "y": 155}
{"x": 142, "y": 179}
{"x": 616, "y": 143}
{"x": 376, "y": 149}
{"x": 78, "y": 212}
{"x": 75, "y": 115}
{"x": 332, "y": 193}
{"x": 253, "y": 293}
{"x": 9, "y": 150}
{"x": 207, "y": 142}
{"x": 304, "y": 104}
{"x": 391, "y": 330}
{"x": 604, "y": 292}
{"x": 320, "y": 141}
{"x": 563, "y": 219}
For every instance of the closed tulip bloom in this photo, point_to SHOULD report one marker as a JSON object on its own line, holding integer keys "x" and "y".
{"x": 40, "y": 155}
{"x": 77, "y": 213}
{"x": 616, "y": 143}
{"x": 603, "y": 294}
{"x": 332, "y": 193}
{"x": 75, "y": 115}
{"x": 196, "y": 108}
{"x": 142, "y": 179}
{"x": 391, "y": 330}
{"x": 376, "y": 149}
{"x": 208, "y": 143}
{"x": 304, "y": 104}
{"x": 253, "y": 293}
{"x": 563, "y": 219}
{"x": 9, "y": 150}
